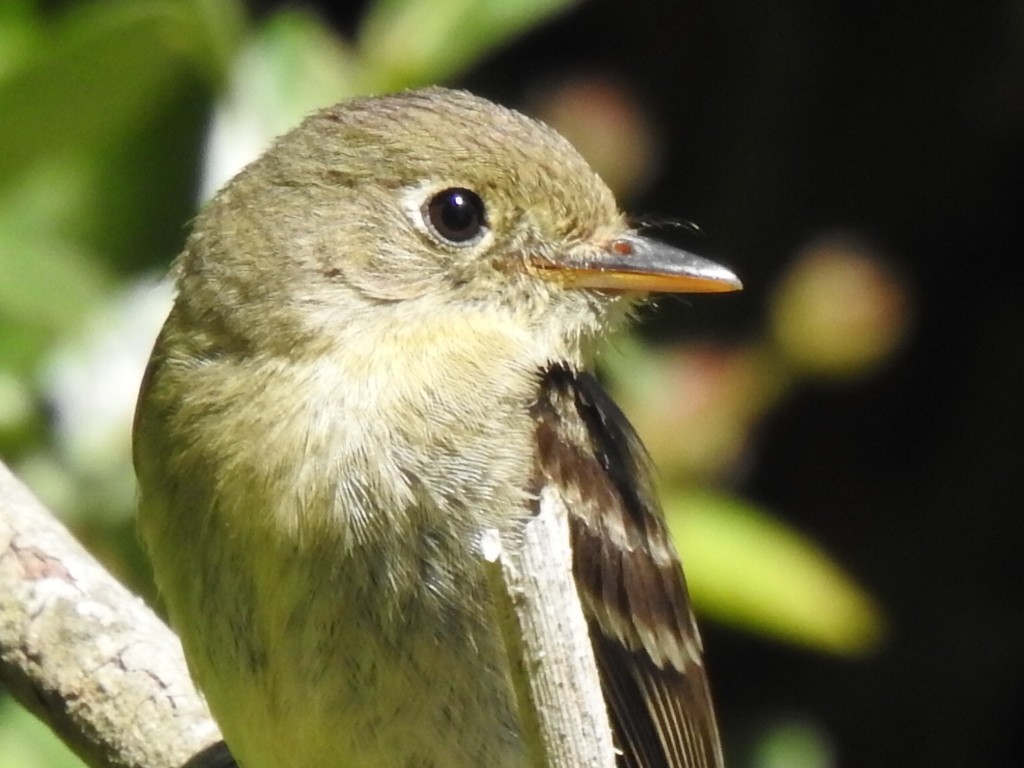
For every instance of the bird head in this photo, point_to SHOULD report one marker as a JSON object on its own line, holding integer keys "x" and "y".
{"x": 403, "y": 206}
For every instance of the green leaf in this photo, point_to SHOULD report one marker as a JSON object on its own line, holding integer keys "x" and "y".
{"x": 49, "y": 279}
{"x": 746, "y": 568}
{"x": 26, "y": 743}
{"x": 300, "y": 65}
{"x": 289, "y": 67}
{"x": 47, "y": 282}
{"x": 414, "y": 42}
{"x": 101, "y": 68}
{"x": 19, "y": 33}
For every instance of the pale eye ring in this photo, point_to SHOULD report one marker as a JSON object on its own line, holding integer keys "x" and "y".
{"x": 456, "y": 215}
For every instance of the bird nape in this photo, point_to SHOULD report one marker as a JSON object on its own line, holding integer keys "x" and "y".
{"x": 379, "y": 349}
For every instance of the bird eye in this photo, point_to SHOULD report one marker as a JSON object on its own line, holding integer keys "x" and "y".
{"x": 456, "y": 215}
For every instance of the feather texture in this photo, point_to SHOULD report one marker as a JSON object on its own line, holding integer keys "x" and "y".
{"x": 630, "y": 580}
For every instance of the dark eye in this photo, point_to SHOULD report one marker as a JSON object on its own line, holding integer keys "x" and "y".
{"x": 456, "y": 215}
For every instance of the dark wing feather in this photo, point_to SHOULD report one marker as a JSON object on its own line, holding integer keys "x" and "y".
{"x": 215, "y": 756}
{"x": 631, "y": 583}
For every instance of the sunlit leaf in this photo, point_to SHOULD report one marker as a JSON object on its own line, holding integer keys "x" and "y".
{"x": 413, "y": 42}
{"x": 748, "y": 569}
{"x": 19, "y": 33}
{"x": 47, "y": 281}
{"x": 26, "y": 743}
{"x": 291, "y": 66}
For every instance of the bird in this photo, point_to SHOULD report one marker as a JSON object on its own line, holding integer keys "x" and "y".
{"x": 382, "y": 345}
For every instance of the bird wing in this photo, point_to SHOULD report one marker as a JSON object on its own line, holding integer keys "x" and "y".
{"x": 630, "y": 580}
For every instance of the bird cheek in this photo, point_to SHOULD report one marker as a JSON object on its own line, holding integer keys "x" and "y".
{"x": 394, "y": 275}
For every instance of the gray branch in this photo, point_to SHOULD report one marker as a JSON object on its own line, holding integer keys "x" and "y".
{"x": 562, "y": 710}
{"x": 85, "y": 655}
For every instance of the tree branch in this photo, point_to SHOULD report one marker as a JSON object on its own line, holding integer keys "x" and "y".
{"x": 86, "y": 655}
{"x": 561, "y": 706}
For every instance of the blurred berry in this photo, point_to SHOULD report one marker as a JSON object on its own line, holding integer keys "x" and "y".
{"x": 839, "y": 310}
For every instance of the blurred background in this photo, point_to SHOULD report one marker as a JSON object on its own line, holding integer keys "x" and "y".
{"x": 836, "y": 444}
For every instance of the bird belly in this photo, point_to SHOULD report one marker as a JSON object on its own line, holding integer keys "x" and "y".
{"x": 363, "y": 664}
{"x": 320, "y": 564}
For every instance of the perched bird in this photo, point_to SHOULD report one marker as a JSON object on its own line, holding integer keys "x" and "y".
{"x": 379, "y": 349}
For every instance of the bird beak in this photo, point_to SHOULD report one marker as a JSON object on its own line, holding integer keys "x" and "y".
{"x": 637, "y": 264}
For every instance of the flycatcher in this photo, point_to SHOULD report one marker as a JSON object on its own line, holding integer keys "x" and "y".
{"x": 379, "y": 349}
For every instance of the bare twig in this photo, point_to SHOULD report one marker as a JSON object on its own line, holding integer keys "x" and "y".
{"x": 562, "y": 710}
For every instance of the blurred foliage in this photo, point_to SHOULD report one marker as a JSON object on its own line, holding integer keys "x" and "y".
{"x": 117, "y": 114}
{"x": 801, "y": 595}
{"x": 26, "y": 743}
